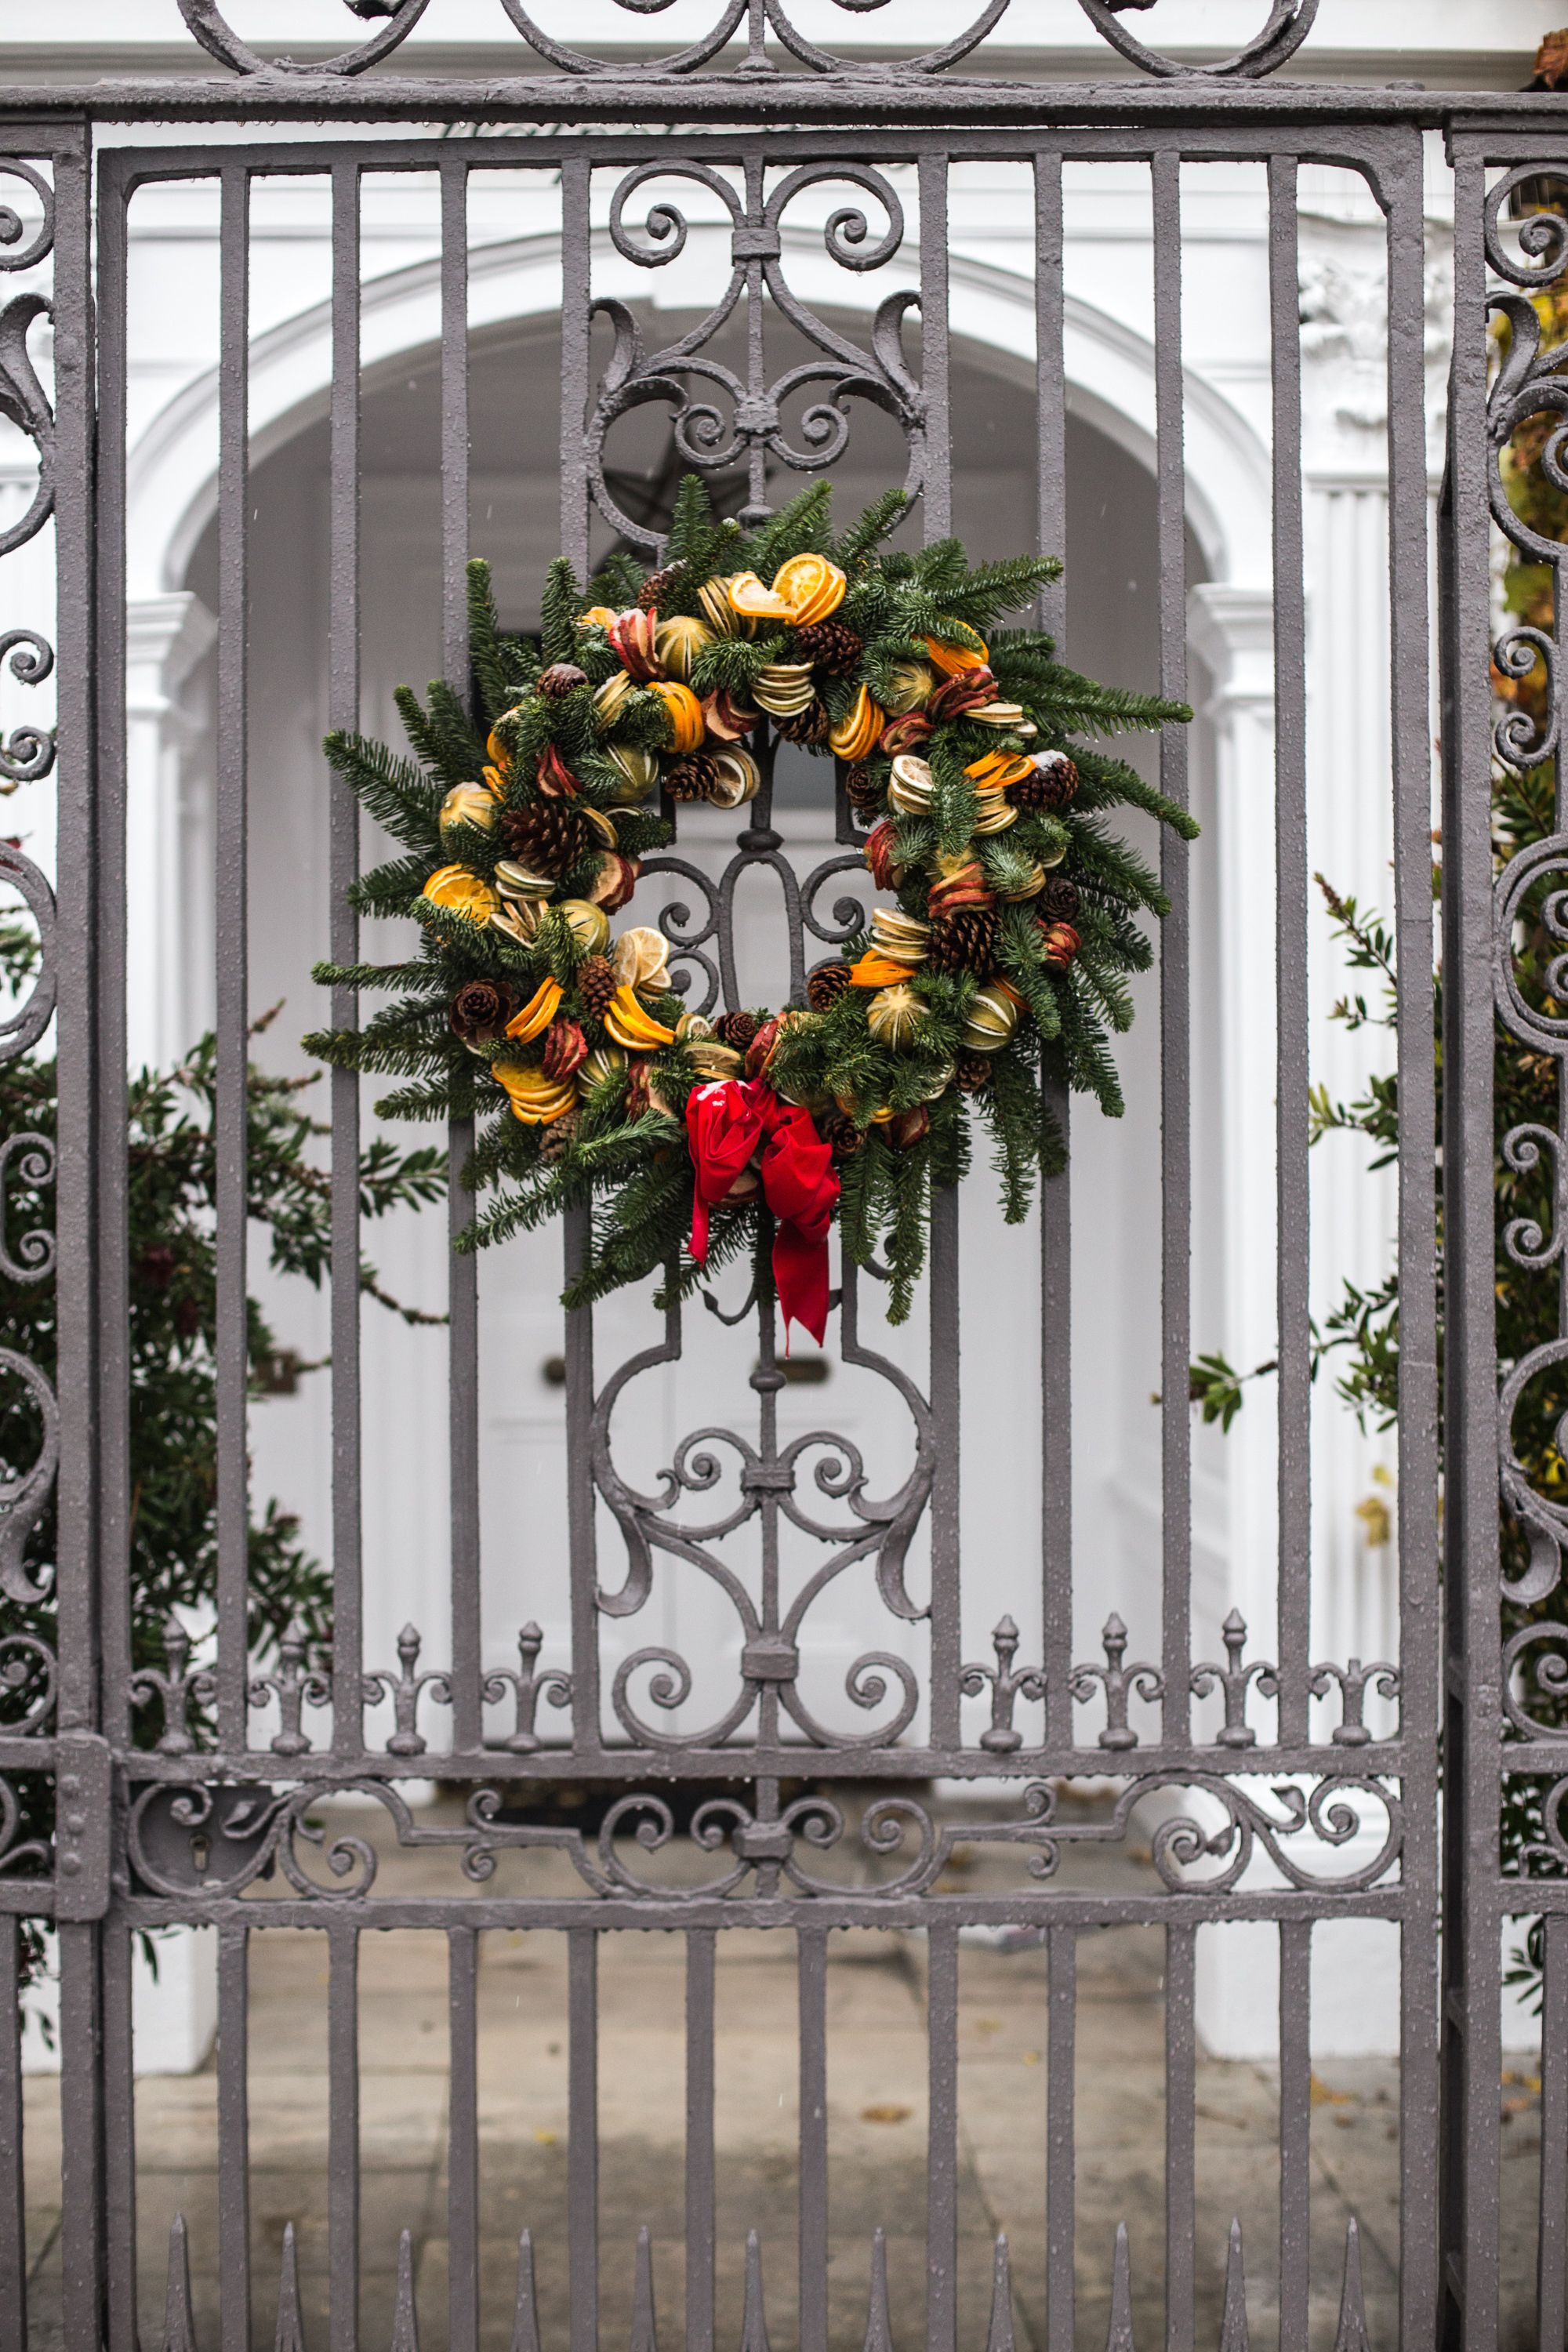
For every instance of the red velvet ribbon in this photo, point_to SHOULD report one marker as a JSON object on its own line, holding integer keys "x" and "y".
{"x": 725, "y": 1124}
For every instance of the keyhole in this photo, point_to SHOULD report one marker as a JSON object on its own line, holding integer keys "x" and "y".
{"x": 201, "y": 1853}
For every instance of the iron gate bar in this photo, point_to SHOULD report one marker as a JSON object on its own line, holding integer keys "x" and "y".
{"x": 785, "y": 103}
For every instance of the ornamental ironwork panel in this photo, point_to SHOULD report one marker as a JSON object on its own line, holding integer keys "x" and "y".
{"x": 188, "y": 1780}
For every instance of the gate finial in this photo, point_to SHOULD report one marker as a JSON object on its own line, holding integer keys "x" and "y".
{"x": 753, "y": 2320}
{"x": 645, "y": 2332}
{"x": 179, "y": 2331}
{"x": 999, "y": 2337}
{"x": 289, "y": 2333}
{"x": 405, "y": 2315}
{"x": 1233, "y": 2335}
{"x": 878, "y": 2323}
{"x": 1351, "y": 2334}
{"x": 1119, "y": 2336}
{"x": 525, "y": 2318}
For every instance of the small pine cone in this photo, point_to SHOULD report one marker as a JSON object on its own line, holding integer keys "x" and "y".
{"x": 555, "y": 1139}
{"x": 964, "y": 942}
{"x": 861, "y": 788}
{"x": 825, "y": 983}
{"x": 546, "y": 836}
{"x": 812, "y": 725}
{"x": 561, "y": 678}
{"x": 597, "y": 981}
{"x": 973, "y": 1072}
{"x": 829, "y": 647}
{"x": 1058, "y": 901}
{"x": 737, "y": 1029}
{"x": 691, "y": 779}
{"x": 658, "y": 584}
{"x": 1052, "y": 785}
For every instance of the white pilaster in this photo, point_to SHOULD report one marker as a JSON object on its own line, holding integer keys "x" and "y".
{"x": 170, "y": 922}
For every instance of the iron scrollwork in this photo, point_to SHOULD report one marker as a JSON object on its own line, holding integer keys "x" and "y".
{"x": 756, "y": 22}
{"x": 216, "y": 1841}
{"x": 769, "y": 1476}
{"x": 752, "y": 428}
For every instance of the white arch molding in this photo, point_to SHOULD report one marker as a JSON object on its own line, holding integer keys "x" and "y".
{"x": 1111, "y": 380}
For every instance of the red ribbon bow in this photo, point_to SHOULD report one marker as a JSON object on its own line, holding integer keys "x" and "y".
{"x": 725, "y": 1123}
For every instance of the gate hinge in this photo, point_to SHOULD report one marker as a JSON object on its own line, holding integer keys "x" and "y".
{"x": 84, "y": 1812}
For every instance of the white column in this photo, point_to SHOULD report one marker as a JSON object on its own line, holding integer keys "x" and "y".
{"x": 1353, "y": 1232}
{"x": 1231, "y": 630}
{"x": 169, "y": 921}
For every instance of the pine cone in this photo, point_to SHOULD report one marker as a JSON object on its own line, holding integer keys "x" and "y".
{"x": 861, "y": 788}
{"x": 561, "y": 678}
{"x": 546, "y": 836}
{"x": 1052, "y": 785}
{"x": 964, "y": 942}
{"x": 825, "y": 983}
{"x": 812, "y": 725}
{"x": 691, "y": 779}
{"x": 1058, "y": 901}
{"x": 829, "y": 647}
{"x": 597, "y": 984}
{"x": 656, "y": 585}
{"x": 737, "y": 1029}
{"x": 481, "y": 1009}
{"x": 555, "y": 1139}
{"x": 973, "y": 1072}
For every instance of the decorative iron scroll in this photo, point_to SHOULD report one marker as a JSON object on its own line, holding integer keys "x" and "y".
{"x": 759, "y": 24}
{"x": 755, "y": 429}
{"x": 221, "y": 1839}
{"x": 1529, "y": 398}
{"x": 29, "y": 1674}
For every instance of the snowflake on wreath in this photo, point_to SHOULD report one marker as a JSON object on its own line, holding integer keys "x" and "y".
{"x": 999, "y": 971}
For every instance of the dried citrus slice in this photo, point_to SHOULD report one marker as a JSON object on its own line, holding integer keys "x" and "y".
{"x": 537, "y": 1014}
{"x": 749, "y": 597}
{"x": 854, "y": 737}
{"x": 686, "y": 723}
{"x": 952, "y": 659}
{"x": 462, "y": 892}
{"x": 811, "y": 587}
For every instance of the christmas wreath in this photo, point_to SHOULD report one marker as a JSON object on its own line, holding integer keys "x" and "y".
{"x": 998, "y": 966}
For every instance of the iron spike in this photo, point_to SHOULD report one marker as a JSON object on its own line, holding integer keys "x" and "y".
{"x": 1351, "y": 2334}
{"x": 753, "y": 2320}
{"x": 644, "y": 2329}
{"x": 405, "y": 2315}
{"x": 525, "y": 2318}
{"x": 179, "y": 2330}
{"x": 1000, "y": 2335}
{"x": 1233, "y": 2335}
{"x": 1119, "y": 2336}
{"x": 878, "y": 2322}
{"x": 289, "y": 2333}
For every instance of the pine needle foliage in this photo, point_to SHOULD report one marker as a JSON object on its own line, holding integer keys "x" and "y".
{"x": 581, "y": 1083}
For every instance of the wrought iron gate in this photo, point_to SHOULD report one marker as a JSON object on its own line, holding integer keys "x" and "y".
{"x": 203, "y": 1819}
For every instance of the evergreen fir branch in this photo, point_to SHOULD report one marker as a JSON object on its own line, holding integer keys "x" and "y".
{"x": 803, "y": 527}
{"x": 1103, "y": 782}
{"x": 462, "y": 752}
{"x": 864, "y": 535}
{"x": 504, "y": 666}
{"x": 392, "y": 889}
{"x": 391, "y": 790}
{"x": 429, "y": 1098}
{"x": 558, "y": 612}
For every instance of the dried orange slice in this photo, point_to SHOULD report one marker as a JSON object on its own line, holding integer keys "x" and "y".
{"x": 534, "y": 1098}
{"x": 755, "y": 602}
{"x": 686, "y": 723}
{"x": 537, "y": 1014}
{"x": 952, "y": 659}
{"x": 811, "y": 587}
{"x": 997, "y": 769}
{"x": 854, "y": 737}
{"x": 874, "y": 971}
{"x": 462, "y": 892}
